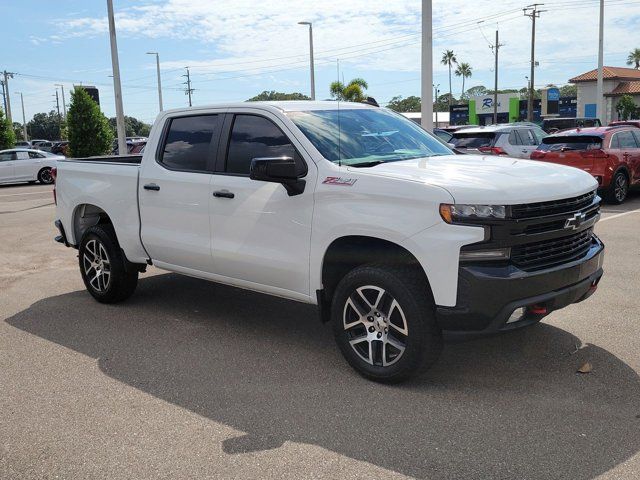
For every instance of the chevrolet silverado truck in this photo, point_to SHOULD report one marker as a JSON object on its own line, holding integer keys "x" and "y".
{"x": 346, "y": 206}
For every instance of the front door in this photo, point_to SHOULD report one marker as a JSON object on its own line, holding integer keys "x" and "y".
{"x": 24, "y": 166}
{"x": 260, "y": 234}
{"x": 7, "y": 160}
{"x": 174, "y": 191}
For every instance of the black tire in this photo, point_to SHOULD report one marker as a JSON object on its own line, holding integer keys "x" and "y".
{"x": 423, "y": 340}
{"x": 619, "y": 188}
{"x": 122, "y": 278}
{"x": 45, "y": 177}
{"x": 32, "y": 182}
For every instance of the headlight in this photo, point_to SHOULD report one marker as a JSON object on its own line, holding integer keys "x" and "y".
{"x": 451, "y": 213}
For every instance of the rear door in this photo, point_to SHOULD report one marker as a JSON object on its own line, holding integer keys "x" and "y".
{"x": 7, "y": 160}
{"x": 630, "y": 146}
{"x": 174, "y": 191}
{"x": 529, "y": 142}
{"x": 261, "y": 235}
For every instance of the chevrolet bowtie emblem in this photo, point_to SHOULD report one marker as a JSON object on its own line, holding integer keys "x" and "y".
{"x": 574, "y": 222}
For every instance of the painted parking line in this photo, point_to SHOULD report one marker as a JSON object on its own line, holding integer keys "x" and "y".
{"x": 26, "y": 193}
{"x": 619, "y": 215}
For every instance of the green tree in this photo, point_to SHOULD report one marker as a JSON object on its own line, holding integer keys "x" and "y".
{"x": 272, "y": 95}
{"x": 442, "y": 103}
{"x": 626, "y": 108}
{"x": 351, "y": 92}
{"x": 17, "y": 130}
{"x": 45, "y": 126}
{"x": 132, "y": 127}
{"x": 634, "y": 58}
{"x": 464, "y": 70}
{"x": 7, "y": 135}
{"x": 89, "y": 131}
{"x": 569, "y": 90}
{"x": 409, "y": 104}
{"x": 476, "y": 91}
{"x": 449, "y": 59}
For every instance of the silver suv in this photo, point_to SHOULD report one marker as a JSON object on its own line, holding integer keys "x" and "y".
{"x": 517, "y": 140}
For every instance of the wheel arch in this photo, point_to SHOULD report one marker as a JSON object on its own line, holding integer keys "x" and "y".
{"x": 85, "y": 216}
{"x": 350, "y": 251}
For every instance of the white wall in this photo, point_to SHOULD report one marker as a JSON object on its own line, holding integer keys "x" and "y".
{"x": 587, "y": 93}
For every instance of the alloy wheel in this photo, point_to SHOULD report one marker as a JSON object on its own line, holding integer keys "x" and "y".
{"x": 620, "y": 188}
{"x": 96, "y": 264}
{"x": 376, "y": 325}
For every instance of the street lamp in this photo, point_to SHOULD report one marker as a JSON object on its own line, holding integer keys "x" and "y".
{"x": 24, "y": 121}
{"x": 159, "y": 82}
{"x": 313, "y": 81}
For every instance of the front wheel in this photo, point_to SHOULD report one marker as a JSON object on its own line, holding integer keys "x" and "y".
{"x": 384, "y": 322}
{"x": 45, "y": 177}
{"x": 106, "y": 273}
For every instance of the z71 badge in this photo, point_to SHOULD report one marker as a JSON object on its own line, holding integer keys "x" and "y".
{"x": 345, "y": 182}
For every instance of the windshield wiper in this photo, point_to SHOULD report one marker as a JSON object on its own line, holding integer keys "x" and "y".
{"x": 372, "y": 163}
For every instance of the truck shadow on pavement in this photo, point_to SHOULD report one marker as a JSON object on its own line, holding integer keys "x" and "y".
{"x": 510, "y": 406}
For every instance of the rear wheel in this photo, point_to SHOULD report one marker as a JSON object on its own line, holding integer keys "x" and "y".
{"x": 106, "y": 273}
{"x": 384, "y": 322}
{"x": 44, "y": 176}
{"x": 619, "y": 188}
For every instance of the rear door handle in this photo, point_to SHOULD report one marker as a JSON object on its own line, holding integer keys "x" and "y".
{"x": 223, "y": 194}
{"x": 152, "y": 186}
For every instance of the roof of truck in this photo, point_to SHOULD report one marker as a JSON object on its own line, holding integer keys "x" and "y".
{"x": 286, "y": 106}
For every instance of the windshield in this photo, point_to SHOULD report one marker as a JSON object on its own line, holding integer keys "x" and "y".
{"x": 570, "y": 142}
{"x": 366, "y": 137}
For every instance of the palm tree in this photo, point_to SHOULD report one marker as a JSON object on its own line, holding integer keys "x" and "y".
{"x": 351, "y": 92}
{"x": 464, "y": 70}
{"x": 449, "y": 59}
{"x": 634, "y": 57}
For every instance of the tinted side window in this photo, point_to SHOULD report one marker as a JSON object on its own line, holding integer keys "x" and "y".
{"x": 527, "y": 137}
{"x": 637, "y": 135}
{"x": 35, "y": 155}
{"x": 253, "y": 137}
{"x": 5, "y": 157}
{"x": 615, "y": 142}
{"x": 626, "y": 139}
{"x": 514, "y": 138}
{"x": 188, "y": 142}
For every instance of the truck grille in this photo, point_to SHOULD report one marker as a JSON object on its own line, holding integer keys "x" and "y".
{"x": 553, "y": 207}
{"x": 547, "y": 253}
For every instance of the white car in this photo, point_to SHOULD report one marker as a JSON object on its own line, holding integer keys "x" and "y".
{"x": 27, "y": 165}
{"x": 347, "y": 206}
{"x": 516, "y": 140}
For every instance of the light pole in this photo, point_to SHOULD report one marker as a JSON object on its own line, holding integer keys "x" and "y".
{"x": 24, "y": 121}
{"x": 64, "y": 104}
{"x": 313, "y": 80}
{"x": 117, "y": 89}
{"x": 426, "y": 109}
{"x": 600, "y": 80}
{"x": 159, "y": 82}
{"x": 436, "y": 91}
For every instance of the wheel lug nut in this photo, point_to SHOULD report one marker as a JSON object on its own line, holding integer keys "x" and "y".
{"x": 371, "y": 329}
{"x": 377, "y": 314}
{"x": 379, "y": 334}
{"x": 370, "y": 318}
{"x": 386, "y": 330}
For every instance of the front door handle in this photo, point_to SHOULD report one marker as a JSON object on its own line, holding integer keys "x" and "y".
{"x": 152, "y": 186}
{"x": 223, "y": 194}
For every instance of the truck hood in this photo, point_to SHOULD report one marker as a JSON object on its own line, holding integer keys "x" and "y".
{"x": 490, "y": 179}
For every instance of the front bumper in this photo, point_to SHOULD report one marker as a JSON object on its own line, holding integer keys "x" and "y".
{"x": 488, "y": 295}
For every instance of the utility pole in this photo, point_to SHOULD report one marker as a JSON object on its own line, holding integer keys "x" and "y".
{"x": 117, "y": 88}
{"x": 313, "y": 81}
{"x": 188, "y": 90}
{"x": 426, "y": 84}
{"x": 495, "y": 88}
{"x": 436, "y": 94}
{"x": 64, "y": 104}
{"x": 159, "y": 81}
{"x": 532, "y": 12}
{"x": 24, "y": 120}
{"x": 4, "y": 97}
{"x": 7, "y": 76}
{"x": 600, "y": 113}
{"x": 59, "y": 117}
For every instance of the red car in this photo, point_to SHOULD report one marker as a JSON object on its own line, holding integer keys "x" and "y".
{"x": 610, "y": 154}
{"x": 632, "y": 123}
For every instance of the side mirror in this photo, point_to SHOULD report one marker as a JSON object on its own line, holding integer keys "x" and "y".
{"x": 281, "y": 170}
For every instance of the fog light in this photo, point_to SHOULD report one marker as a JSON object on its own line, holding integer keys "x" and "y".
{"x": 517, "y": 314}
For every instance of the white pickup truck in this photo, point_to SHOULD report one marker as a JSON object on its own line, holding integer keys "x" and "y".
{"x": 347, "y": 206}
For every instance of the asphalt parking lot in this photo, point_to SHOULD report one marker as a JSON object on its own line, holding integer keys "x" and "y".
{"x": 190, "y": 379}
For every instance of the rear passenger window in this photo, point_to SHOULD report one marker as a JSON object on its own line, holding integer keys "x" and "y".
{"x": 188, "y": 143}
{"x": 626, "y": 139}
{"x": 615, "y": 142}
{"x": 253, "y": 137}
{"x": 528, "y": 138}
{"x": 35, "y": 155}
{"x": 514, "y": 138}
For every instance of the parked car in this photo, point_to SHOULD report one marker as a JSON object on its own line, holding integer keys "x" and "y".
{"x": 455, "y": 128}
{"x": 60, "y": 148}
{"x": 23, "y": 144}
{"x": 343, "y": 205}
{"x": 631, "y": 123}
{"x": 443, "y": 135}
{"x": 610, "y": 154}
{"x": 510, "y": 139}
{"x": 554, "y": 125}
{"x": 133, "y": 146}
{"x": 44, "y": 145}
{"x": 27, "y": 165}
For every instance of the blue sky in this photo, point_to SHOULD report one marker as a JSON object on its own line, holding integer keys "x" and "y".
{"x": 239, "y": 48}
